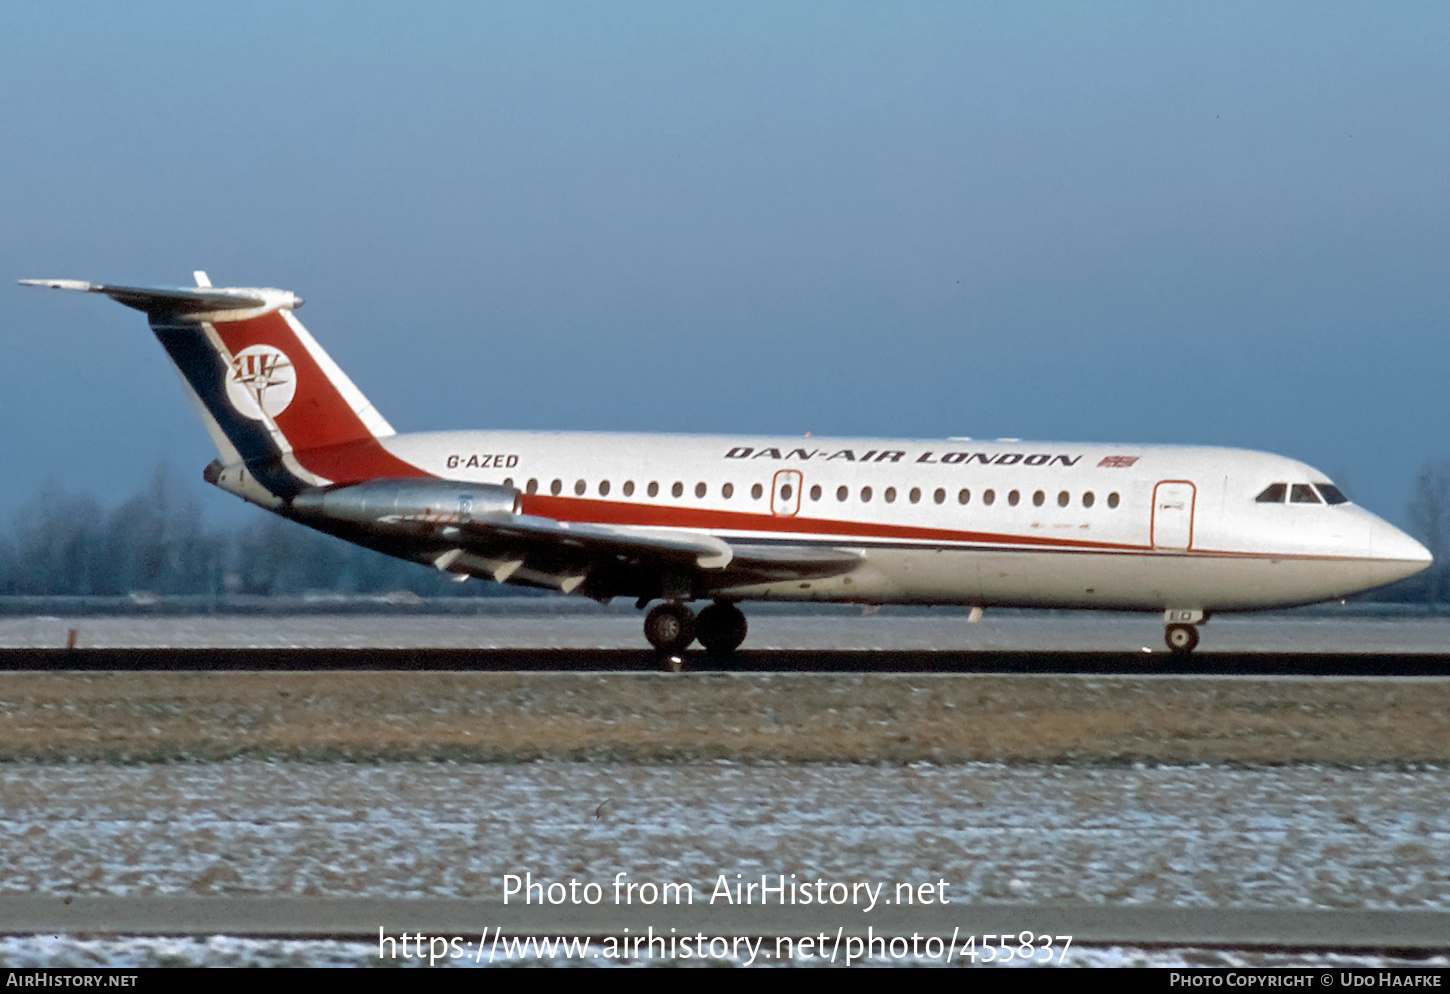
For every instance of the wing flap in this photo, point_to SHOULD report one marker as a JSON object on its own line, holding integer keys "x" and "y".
{"x": 512, "y": 538}
{"x": 703, "y": 551}
{"x": 794, "y": 562}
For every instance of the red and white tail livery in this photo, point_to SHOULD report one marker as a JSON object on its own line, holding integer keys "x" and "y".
{"x": 1186, "y": 531}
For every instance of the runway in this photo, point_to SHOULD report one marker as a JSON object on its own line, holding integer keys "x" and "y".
{"x": 308, "y": 917}
{"x": 760, "y": 661}
{"x": 840, "y": 641}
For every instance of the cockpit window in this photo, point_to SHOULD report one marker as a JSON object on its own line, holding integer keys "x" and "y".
{"x": 1331, "y": 494}
{"x": 1273, "y": 494}
{"x": 1303, "y": 493}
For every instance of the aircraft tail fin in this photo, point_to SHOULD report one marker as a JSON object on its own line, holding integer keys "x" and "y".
{"x": 277, "y": 406}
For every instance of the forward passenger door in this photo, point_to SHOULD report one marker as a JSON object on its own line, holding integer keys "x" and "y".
{"x": 1173, "y": 502}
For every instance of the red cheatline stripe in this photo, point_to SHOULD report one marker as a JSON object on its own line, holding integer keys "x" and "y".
{"x": 606, "y": 512}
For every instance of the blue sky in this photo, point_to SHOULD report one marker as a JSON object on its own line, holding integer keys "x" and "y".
{"x": 1202, "y": 223}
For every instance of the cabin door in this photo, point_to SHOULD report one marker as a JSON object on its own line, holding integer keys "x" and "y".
{"x": 785, "y": 492}
{"x": 1173, "y": 502}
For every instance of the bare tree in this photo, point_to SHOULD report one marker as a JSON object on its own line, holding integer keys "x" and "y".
{"x": 55, "y": 546}
{"x": 1429, "y": 516}
{"x": 65, "y": 544}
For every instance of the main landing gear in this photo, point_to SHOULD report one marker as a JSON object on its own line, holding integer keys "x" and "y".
{"x": 672, "y": 626}
{"x": 721, "y": 628}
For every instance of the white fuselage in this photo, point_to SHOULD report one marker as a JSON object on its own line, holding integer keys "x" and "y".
{"x": 680, "y": 518}
{"x": 960, "y": 521}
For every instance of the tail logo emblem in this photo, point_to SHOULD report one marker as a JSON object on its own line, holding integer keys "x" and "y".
{"x": 262, "y": 382}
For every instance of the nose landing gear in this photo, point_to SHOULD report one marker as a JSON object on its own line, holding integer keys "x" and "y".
{"x": 1181, "y": 639}
{"x": 1182, "y": 631}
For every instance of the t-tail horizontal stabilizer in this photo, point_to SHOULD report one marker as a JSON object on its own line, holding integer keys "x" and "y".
{"x": 182, "y": 300}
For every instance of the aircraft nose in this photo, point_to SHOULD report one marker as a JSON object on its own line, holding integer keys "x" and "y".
{"x": 1398, "y": 552}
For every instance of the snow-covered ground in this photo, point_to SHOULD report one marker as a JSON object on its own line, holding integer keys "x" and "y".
{"x": 1200, "y": 836}
{"x": 18, "y": 952}
{"x": 1292, "y": 837}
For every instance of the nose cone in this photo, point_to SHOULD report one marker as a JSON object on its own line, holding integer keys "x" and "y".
{"x": 1396, "y": 555}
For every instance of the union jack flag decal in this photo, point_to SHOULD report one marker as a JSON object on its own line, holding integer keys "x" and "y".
{"x": 1117, "y": 462}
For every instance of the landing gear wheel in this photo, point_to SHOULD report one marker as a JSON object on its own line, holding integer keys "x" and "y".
{"x": 1181, "y": 639}
{"x": 670, "y": 627}
{"x": 721, "y": 628}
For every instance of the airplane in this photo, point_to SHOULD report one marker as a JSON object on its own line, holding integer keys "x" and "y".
{"x": 675, "y": 519}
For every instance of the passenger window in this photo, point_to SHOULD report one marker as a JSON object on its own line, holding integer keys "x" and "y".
{"x": 653, "y": 489}
{"x": 508, "y": 481}
{"x": 939, "y": 495}
{"x": 677, "y": 489}
{"x": 604, "y": 488}
{"x": 915, "y": 495}
{"x": 1113, "y": 499}
{"x": 727, "y": 491}
{"x": 629, "y": 488}
{"x": 842, "y": 493}
{"x": 1013, "y": 497}
{"x": 865, "y": 495}
{"x": 1087, "y": 499}
{"x": 700, "y": 489}
{"x": 1273, "y": 494}
{"x": 1038, "y": 499}
{"x": 556, "y": 487}
{"x": 965, "y": 496}
{"x": 989, "y": 497}
{"x": 890, "y": 495}
{"x": 579, "y": 487}
{"x": 1063, "y": 499}
{"x": 1331, "y": 494}
{"x": 816, "y": 492}
{"x": 756, "y": 491}
{"x": 533, "y": 487}
{"x": 1303, "y": 493}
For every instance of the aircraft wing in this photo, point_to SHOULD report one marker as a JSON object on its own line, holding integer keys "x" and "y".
{"x": 479, "y": 530}
{"x": 564, "y": 554}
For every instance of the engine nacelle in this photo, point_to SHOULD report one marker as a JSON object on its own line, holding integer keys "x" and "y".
{"x": 406, "y": 505}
